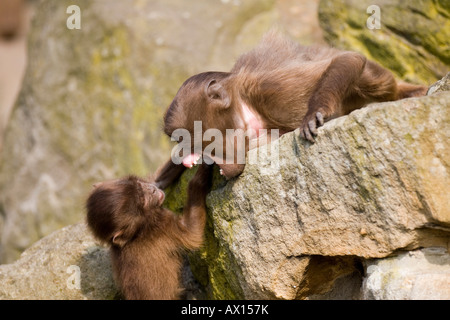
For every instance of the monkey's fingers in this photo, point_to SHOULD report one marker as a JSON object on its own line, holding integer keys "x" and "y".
{"x": 312, "y": 127}
{"x": 307, "y": 130}
{"x": 202, "y": 180}
{"x": 319, "y": 117}
{"x": 309, "y": 127}
{"x": 204, "y": 170}
{"x": 313, "y": 123}
{"x": 306, "y": 134}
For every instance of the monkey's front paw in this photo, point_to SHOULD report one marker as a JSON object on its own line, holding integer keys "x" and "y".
{"x": 202, "y": 178}
{"x": 309, "y": 126}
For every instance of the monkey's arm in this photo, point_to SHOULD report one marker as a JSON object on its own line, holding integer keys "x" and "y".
{"x": 168, "y": 174}
{"x": 194, "y": 214}
{"x": 333, "y": 87}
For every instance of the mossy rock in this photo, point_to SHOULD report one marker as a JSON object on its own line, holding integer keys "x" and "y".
{"x": 412, "y": 40}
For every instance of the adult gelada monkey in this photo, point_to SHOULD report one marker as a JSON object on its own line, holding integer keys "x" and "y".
{"x": 278, "y": 85}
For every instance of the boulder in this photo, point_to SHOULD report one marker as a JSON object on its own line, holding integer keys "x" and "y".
{"x": 68, "y": 264}
{"x": 415, "y": 275}
{"x": 411, "y": 41}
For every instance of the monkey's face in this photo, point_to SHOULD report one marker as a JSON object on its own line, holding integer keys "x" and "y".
{"x": 139, "y": 195}
{"x": 202, "y": 97}
{"x": 205, "y": 101}
{"x": 152, "y": 196}
{"x": 127, "y": 196}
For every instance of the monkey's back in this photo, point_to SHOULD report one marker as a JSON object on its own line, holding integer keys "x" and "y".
{"x": 147, "y": 269}
{"x": 276, "y": 51}
{"x": 277, "y": 78}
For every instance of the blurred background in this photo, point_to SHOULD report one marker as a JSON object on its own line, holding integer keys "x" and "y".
{"x": 80, "y": 105}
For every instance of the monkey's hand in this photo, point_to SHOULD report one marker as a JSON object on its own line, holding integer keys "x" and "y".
{"x": 310, "y": 123}
{"x": 201, "y": 183}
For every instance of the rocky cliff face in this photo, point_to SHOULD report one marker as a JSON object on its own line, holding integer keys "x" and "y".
{"x": 361, "y": 214}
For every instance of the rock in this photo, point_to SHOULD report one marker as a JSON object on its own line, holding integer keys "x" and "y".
{"x": 93, "y": 98}
{"x": 414, "y": 47}
{"x": 68, "y": 264}
{"x": 441, "y": 85}
{"x": 375, "y": 182}
{"x": 415, "y": 275}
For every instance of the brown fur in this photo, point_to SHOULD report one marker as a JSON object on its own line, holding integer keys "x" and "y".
{"x": 286, "y": 86}
{"x": 146, "y": 238}
{"x": 11, "y": 17}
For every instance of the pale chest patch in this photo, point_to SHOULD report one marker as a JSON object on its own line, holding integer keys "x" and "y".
{"x": 251, "y": 120}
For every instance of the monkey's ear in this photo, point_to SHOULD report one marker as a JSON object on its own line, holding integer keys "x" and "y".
{"x": 119, "y": 239}
{"x": 217, "y": 94}
{"x": 97, "y": 184}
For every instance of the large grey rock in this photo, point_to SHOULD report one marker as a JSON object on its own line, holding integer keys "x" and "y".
{"x": 415, "y": 275}
{"x": 68, "y": 264}
{"x": 93, "y": 99}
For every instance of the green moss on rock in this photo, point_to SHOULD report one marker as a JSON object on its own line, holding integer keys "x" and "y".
{"x": 412, "y": 41}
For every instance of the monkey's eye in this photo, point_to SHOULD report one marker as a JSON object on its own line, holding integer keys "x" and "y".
{"x": 151, "y": 189}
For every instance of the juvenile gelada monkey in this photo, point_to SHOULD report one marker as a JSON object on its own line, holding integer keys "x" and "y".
{"x": 278, "y": 85}
{"x": 146, "y": 239}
